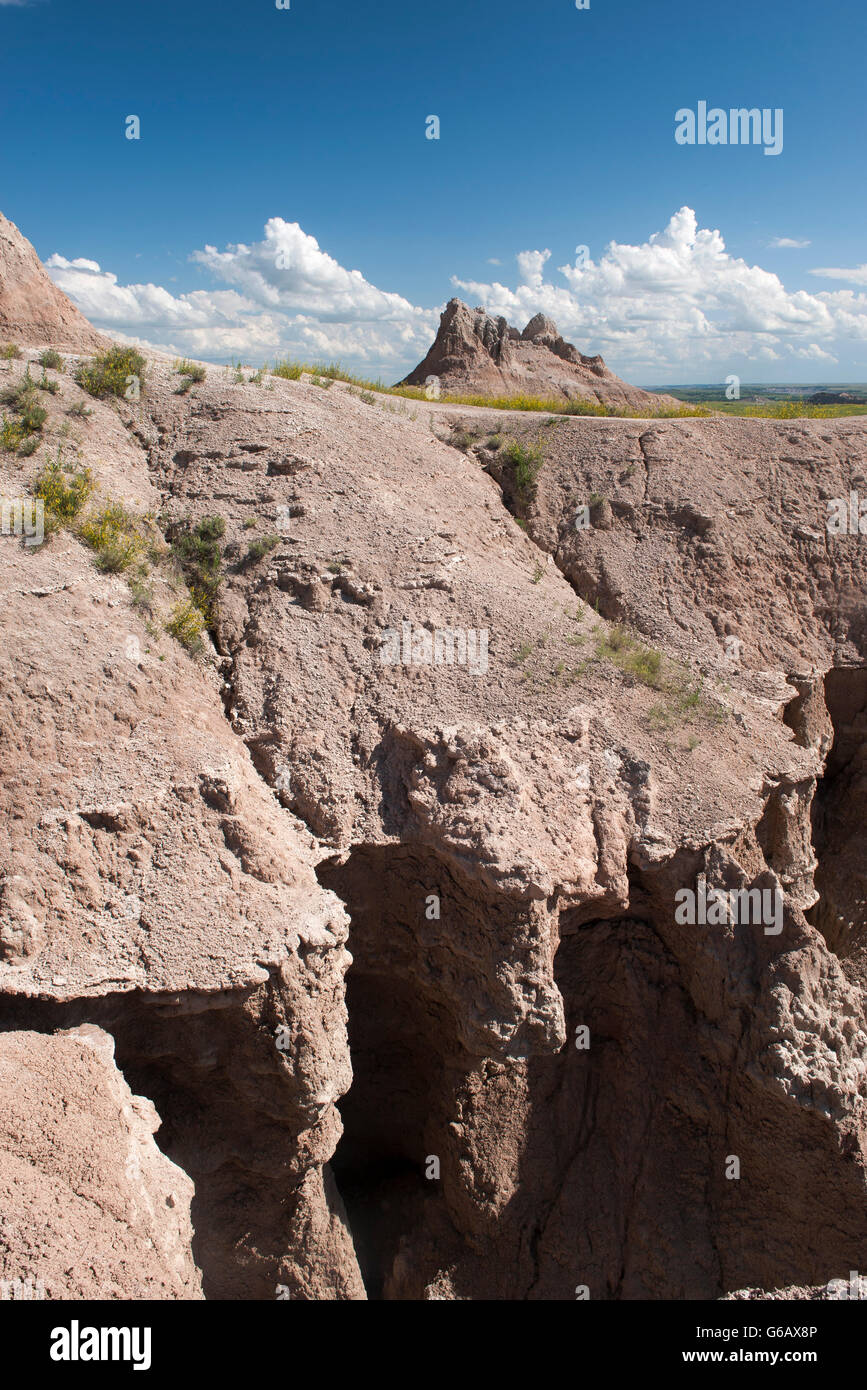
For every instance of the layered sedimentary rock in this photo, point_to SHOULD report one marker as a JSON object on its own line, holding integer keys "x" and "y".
{"x": 378, "y": 898}
{"x": 476, "y": 354}
{"x": 32, "y": 309}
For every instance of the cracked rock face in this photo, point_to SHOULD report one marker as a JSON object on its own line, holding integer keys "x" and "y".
{"x": 378, "y": 901}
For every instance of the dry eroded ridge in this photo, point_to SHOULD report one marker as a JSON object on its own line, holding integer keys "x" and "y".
{"x": 474, "y": 906}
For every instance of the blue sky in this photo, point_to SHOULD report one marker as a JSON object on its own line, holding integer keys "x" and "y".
{"x": 557, "y": 131}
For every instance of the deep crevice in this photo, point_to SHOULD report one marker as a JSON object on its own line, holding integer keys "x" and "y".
{"x": 401, "y": 1039}
{"x": 212, "y": 1073}
{"x": 839, "y": 821}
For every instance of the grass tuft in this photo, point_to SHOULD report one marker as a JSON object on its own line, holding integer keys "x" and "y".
{"x": 287, "y": 369}
{"x": 258, "y": 549}
{"x": 192, "y": 373}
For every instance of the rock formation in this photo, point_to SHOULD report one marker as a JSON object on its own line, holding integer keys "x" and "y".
{"x": 377, "y": 898}
{"x": 32, "y": 308}
{"x": 474, "y": 354}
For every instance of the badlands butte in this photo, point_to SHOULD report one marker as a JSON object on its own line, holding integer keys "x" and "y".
{"x": 330, "y": 976}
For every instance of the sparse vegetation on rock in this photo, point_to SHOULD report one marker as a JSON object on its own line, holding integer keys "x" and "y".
{"x": 198, "y": 550}
{"x": 114, "y": 372}
{"x": 191, "y": 373}
{"x": 64, "y": 492}
{"x": 52, "y": 359}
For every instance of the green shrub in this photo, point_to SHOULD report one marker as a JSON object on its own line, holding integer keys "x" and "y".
{"x": 109, "y": 372}
{"x": 211, "y": 528}
{"x": 81, "y": 409}
{"x": 46, "y": 384}
{"x": 193, "y": 373}
{"x": 28, "y": 446}
{"x": 118, "y": 554}
{"x": 11, "y": 352}
{"x": 33, "y": 417}
{"x": 194, "y": 370}
{"x": 199, "y": 554}
{"x": 11, "y": 435}
{"x": 187, "y": 624}
{"x": 64, "y": 493}
{"x": 113, "y": 534}
{"x": 52, "y": 359}
{"x": 23, "y": 399}
{"x": 20, "y": 393}
{"x": 249, "y": 522}
{"x": 258, "y": 549}
{"x": 524, "y": 462}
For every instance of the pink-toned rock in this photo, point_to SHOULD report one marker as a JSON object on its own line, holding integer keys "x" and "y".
{"x": 474, "y": 354}
{"x": 90, "y": 1206}
{"x": 33, "y": 311}
{"x": 442, "y": 871}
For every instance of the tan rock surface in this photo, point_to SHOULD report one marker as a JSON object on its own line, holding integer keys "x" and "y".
{"x": 190, "y": 846}
{"x": 90, "y": 1207}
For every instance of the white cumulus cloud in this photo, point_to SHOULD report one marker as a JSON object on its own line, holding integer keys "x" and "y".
{"x": 787, "y": 243}
{"x": 678, "y": 304}
{"x": 288, "y": 270}
{"x": 285, "y": 295}
{"x": 677, "y": 300}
